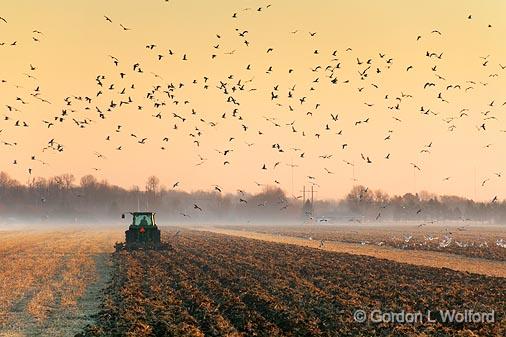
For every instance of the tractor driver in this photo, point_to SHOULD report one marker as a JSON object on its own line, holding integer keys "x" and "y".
{"x": 143, "y": 222}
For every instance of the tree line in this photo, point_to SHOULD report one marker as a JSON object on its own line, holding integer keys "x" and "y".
{"x": 63, "y": 197}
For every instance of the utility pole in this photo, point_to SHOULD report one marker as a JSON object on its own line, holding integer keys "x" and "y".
{"x": 312, "y": 198}
{"x": 292, "y": 166}
{"x": 310, "y": 212}
{"x": 306, "y": 213}
{"x": 313, "y": 213}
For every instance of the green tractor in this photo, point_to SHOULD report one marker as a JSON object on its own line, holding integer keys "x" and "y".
{"x": 143, "y": 233}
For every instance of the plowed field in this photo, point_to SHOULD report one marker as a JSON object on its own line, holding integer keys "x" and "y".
{"x": 210, "y": 284}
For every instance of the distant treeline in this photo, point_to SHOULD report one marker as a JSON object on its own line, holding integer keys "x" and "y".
{"x": 64, "y": 198}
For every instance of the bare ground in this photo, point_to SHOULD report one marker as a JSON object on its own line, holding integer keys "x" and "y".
{"x": 50, "y": 281}
{"x": 415, "y": 257}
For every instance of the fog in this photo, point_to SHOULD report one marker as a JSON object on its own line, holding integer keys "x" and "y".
{"x": 60, "y": 202}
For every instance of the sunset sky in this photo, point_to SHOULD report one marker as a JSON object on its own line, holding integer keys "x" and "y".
{"x": 459, "y": 145}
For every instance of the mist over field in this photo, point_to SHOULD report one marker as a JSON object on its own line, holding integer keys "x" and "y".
{"x": 65, "y": 201}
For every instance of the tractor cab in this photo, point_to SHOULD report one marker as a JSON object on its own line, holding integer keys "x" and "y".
{"x": 143, "y": 219}
{"x": 143, "y": 233}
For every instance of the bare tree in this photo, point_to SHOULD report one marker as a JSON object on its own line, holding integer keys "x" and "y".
{"x": 64, "y": 181}
{"x": 152, "y": 185}
{"x": 68, "y": 180}
{"x": 6, "y": 181}
{"x": 88, "y": 181}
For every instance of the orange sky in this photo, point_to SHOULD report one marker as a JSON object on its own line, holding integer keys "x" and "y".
{"x": 77, "y": 41}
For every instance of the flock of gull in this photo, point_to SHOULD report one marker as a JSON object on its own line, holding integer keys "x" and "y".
{"x": 296, "y": 109}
